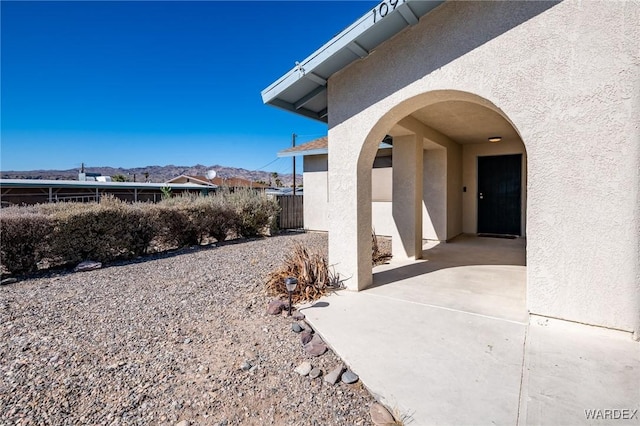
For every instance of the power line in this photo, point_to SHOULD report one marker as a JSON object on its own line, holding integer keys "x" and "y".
{"x": 268, "y": 164}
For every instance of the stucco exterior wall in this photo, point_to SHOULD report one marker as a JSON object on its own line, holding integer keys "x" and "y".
{"x": 381, "y": 188}
{"x": 382, "y": 218}
{"x": 454, "y": 191}
{"x": 406, "y": 240}
{"x": 382, "y": 196}
{"x": 567, "y": 76}
{"x": 434, "y": 187}
{"x": 316, "y": 198}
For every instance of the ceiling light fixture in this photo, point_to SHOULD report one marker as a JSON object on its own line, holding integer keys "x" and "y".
{"x": 495, "y": 139}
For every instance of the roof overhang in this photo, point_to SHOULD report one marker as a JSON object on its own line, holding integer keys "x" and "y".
{"x": 189, "y": 179}
{"x": 317, "y": 151}
{"x": 303, "y": 90}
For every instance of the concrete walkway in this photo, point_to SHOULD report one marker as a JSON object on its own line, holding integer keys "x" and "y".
{"x": 448, "y": 341}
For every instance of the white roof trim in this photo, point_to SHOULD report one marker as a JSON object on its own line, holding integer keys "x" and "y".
{"x": 317, "y": 151}
{"x": 349, "y": 40}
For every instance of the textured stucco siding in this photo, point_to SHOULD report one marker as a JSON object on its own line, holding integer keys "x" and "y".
{"x": 434, "y": 188}
{"x": 567, "y": 76}
{"x": 381, "y": 188}
{"x": 382, "y": 218}
{"x": 316, "y": 198}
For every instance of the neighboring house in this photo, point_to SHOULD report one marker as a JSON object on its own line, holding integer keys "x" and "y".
{"x": 34, "y": 191}
{"x": 283, "y": 191}
{"x": 515, "y": 118}
{"x": 316, "y": 195}
{"x": 218, "y": 181}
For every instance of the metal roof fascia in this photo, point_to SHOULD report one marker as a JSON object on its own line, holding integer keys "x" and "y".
{"x": 320, "y": 55}
{"x": 317, "y": 151}
{"x": 290, "y": 107}
{"x": 324, "y": 53}
{"x": 336, "y": 44}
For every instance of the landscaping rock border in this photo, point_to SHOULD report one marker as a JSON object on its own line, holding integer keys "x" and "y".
{"x": 162, "y": 340}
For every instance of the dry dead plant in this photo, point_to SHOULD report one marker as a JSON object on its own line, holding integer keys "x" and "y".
{"x": 377, "y": 256}
{"x": 315, "y": 279}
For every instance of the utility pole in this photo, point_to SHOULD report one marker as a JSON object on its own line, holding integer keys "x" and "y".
{"x": 293, "y": 145}
{"x": 295, "y": 202}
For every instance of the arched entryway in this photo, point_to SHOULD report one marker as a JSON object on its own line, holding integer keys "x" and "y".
{"x": 459, "y": 170}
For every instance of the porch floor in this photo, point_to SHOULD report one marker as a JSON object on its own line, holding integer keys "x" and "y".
{"x": 448, "y": 340}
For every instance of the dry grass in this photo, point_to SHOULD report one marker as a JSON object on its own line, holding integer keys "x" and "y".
{"x": 315, "y": 279}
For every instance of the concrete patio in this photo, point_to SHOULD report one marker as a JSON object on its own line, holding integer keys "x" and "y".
{"x": 448, "y": 340}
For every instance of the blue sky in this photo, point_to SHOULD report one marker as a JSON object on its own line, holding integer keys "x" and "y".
{"x": 133, "y": 84}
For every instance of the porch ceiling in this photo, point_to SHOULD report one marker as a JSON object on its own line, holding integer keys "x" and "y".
{"x": 466, "y": 122}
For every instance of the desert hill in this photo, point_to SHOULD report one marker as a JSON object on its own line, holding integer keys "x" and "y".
{"x": 156, "y": 173}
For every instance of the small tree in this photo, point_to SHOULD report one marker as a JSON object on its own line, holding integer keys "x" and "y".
{"x": 119, "y": 178}
{"x": 166, "y": 192}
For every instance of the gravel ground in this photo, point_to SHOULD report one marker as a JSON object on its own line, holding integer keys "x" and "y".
{"x": 160, "y": 341}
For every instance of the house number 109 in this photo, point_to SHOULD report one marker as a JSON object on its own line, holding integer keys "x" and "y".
{"x": 386, "y": 6}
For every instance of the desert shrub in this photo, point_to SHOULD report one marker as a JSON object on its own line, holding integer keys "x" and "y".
{"x": 64, "y": 233}
{"x": 89, "y": 231}
{"x": 224, "y": 218}
{"x": 173, "y": 225}
{"x": 201, "y": 217}
{"x": 255, "y": 212}
{"x": 315, "y": 278}
{"x": 142, "y": 228}
{"x": 25, "y": 237}
{"x": 101, "y": 231}
{"x": 196, "y": 217}
{"x": 211, "y": 216}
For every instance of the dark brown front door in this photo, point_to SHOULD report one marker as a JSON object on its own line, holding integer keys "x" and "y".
{"x": 499, "y": 194}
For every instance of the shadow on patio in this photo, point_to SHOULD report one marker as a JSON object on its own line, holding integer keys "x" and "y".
{"x": 485, "y": 276}
{"x": 447, "y": 340}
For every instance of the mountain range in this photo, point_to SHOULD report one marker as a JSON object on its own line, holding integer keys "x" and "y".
{"x": 156, "y": 173}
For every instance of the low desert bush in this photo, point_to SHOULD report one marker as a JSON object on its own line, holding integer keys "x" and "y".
{"x": 173, "y": 226}
{"x": 213, "y": 216}
{"x": 66, "y": 233}
{"x": 142, "y": 228}
{"x": 25, "y": 235}
{"x": 222, "y": 219}
{"x": 101, "y": 231}
{"x": 255, "y": 213}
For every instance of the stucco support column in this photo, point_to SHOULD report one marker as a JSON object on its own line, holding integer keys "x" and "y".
{"x": 349, "y": 176}
{"x": 434, "y": 188}
{"x": 407, "y": 197}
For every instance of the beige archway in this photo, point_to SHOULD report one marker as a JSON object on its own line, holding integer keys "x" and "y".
{"x": 438, "y": 136}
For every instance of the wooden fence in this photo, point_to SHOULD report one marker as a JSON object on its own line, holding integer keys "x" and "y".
{"x": 291, "y": 211}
